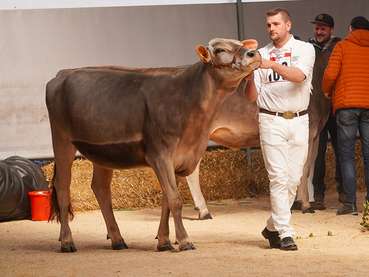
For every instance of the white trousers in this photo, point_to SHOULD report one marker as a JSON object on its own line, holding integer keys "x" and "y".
{"x": 284, "y": 143}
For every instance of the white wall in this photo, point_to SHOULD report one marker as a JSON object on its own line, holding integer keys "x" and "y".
{"x": 55, "y": 4}
{"x": 35, "y": 44}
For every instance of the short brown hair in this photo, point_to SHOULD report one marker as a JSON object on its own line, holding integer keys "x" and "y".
{"x": 285, "y": 14}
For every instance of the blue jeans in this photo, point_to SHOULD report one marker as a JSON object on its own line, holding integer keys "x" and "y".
{"x": 349, "y": 122}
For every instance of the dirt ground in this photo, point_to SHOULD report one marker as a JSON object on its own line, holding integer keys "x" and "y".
{"x": 228, "y": 245}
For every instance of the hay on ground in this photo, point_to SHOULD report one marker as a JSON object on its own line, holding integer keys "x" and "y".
{"x": 224, "y": 174}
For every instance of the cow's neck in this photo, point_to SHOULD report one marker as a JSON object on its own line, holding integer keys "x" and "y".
{"x": 213, "y": 90}
{"x": 209, "y": 92}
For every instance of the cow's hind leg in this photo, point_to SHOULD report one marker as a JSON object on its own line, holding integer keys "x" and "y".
{"x": 101, "y": 187}
{"x": 164, "y": 170}
{"x": 64, "y": 152}
{"x": 303, "y": 190}
{"x": 193, "y": 182}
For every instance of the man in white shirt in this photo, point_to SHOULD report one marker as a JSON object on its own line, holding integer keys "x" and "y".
{"x": 282, "y": 88}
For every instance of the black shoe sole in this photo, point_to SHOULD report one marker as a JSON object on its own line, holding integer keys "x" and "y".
{"x": 289, "y": 248}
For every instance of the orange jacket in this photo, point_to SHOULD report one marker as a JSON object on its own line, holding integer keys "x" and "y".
{"x": 346, "y": 77}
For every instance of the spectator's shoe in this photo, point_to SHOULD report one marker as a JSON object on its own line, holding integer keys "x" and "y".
{"x": 288, "y": 244}
{"x": 341, "y": 197}
{"x": 318, "y": 205}
{"x": 347, "y": 209}
{"x": 273, "y": 237}
{"x": 297, "y": 205}
{"x": 309, "y": 210}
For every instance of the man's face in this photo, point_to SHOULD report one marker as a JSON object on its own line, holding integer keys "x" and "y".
{"x": 322, "y": 33}
{"x": 277, "y": 27}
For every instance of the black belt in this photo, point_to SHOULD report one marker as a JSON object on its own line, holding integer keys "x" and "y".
{"x": 286, "y": 115}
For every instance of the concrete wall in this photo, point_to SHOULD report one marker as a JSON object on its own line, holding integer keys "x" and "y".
{"x": 35, "y": 44}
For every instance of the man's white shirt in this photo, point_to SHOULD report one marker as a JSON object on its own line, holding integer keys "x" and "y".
{"x": 275, "y": 93}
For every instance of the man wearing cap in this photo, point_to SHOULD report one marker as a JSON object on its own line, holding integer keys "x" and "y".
{"x": 282, "y": 89}
{"x": 346, "y": 81}
{"x": 323, "y": 42}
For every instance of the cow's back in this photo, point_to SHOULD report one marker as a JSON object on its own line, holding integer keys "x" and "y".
{"x": 94, "y": 105}
{"x": 108, "y": 113}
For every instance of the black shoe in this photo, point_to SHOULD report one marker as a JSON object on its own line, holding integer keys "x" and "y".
{"x": 273, "y": 237}
{"x": 347, "y": 209}
{"x": 318, "y": 205}
{"x": 288, "y": 244}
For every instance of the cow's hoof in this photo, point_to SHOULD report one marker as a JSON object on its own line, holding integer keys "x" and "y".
{"x": 165, "y": 247}
{"x": 186, "y": 246}
{"x": 68, "y": 248}
{"x": 205, "y": 217}
{"x": 119, "y": 245}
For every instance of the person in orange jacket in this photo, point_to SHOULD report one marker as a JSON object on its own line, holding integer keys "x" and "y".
{"x": 346, "y": 81}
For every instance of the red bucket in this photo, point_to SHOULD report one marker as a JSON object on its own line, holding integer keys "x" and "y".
{"x": 40, "y": 205}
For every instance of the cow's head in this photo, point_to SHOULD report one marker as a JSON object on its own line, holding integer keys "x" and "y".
{"x": 231, "y": 57}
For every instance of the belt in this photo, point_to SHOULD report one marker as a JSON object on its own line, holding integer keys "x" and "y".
{"x": 286, "y": 115}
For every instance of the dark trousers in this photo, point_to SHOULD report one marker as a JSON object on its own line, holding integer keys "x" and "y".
{"x": 349, "y": 122}
{"x": 319, "y": 169}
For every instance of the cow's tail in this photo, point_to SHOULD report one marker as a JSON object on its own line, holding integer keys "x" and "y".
{"x": 54, "y": 204}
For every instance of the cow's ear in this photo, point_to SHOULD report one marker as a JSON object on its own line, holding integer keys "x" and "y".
{"x": 203, "y": 53}
{"x": 250, "y": 43}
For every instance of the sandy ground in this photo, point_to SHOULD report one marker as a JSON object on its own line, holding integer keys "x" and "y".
{"x": 228, "y": 245}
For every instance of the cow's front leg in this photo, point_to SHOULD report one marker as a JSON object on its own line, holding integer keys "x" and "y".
{"x": 164, "y": 170}
{"x": 193, "y": 181}
{"x": 163, "y": 232}
{"x": 101, "y": 187}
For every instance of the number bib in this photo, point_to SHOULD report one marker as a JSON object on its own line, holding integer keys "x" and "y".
{"x": 283, "y": 58}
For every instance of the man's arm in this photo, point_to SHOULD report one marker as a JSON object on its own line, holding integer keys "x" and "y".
{"x": 300, "y": 69}
{"x": 289, "y": 73}
{"x": 332, "y": 71}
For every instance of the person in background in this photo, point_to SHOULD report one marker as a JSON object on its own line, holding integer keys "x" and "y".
{"x": 324, "y": 42}
{"x": 346, "y": 81}
{"x": 282, "y": 88}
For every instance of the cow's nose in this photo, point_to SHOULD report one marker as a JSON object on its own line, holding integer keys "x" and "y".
{"x": 251, "y": 54}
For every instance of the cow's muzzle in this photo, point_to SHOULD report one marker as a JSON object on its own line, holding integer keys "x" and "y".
{"x": 250, "y": 59}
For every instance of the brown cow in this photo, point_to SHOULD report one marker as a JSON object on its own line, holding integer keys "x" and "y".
{"x": 125, "y": 118}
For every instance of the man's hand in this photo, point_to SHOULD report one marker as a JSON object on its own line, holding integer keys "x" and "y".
{"x": 266, "y": 64}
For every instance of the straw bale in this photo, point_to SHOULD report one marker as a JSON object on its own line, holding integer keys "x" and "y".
{"x": 224, "y": 174}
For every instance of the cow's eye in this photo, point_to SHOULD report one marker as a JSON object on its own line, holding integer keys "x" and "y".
{"x": 218, "y": 50}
